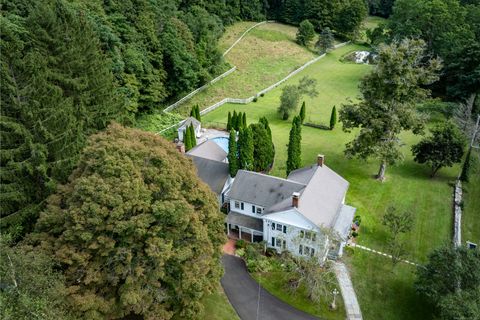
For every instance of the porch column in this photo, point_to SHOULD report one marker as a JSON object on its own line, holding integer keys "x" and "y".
{"x": 251, "y": 233}
{"x": 228, "y": 229}
{"x": 239, "y": 232}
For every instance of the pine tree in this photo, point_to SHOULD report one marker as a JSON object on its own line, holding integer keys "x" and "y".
{"x": 193, "y": 136}
{"x": 271, "y": 156}
{"x": 232, "y": 154}
{"x": 302, "y": 112}
{"x": 186, "y": 139}
{"x": 325, "y": 40}
{"x": 244, "y": 120}
{"x": 264, "y": 121}
{"x": 235, "y": 120}
{"x": 464, "y": 176}
{"x": 197, "y": 114}
{"x": 294, "y": 146}
{"x": 333, "y": 118}
{"x": 262, "y": 147}
{"x": 245, "y": 149}
{"x": 229, "y": 121}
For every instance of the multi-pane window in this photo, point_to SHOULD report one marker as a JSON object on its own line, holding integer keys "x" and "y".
{"x": 259, "y": 210}
{"x": 241, "y": 205}
{"x": 309, "y": 235}
{"x": 253, "y": 209}
{"x": 273, "y": 225}
{"x": 279, "y": 227}
{"x": 284, "y": 229}
{"x": 237, "y": 204}
{"x": 306, "y": 251}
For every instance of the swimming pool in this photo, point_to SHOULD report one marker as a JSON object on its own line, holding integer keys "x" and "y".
{"x": 222, "y": 142}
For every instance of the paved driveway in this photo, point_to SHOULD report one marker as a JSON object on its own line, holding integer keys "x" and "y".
{"x": 250, "y": 300}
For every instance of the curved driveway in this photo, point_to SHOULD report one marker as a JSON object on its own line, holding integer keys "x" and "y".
{"x": 250, "y": 300}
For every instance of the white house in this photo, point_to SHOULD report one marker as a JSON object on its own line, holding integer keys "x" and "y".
{"x": 305, "y": 214}
{"x": 197, "y": 126}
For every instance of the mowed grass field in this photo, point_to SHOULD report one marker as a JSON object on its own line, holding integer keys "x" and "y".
{"x": 265, "y": 55}
{"x": 384, "y": 292}
{"x": 217, "y": 307}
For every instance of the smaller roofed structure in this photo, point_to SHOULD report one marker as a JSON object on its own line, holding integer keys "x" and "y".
{"x": 197, "y": 126}
{"x": 209, "y": 150}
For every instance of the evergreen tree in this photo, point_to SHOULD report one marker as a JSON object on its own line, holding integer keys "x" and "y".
{"x": 264, "y": 121}
{"x": 294, "y": 160}
{"x": 305, "y": 33}
{"x": 197, "y": 115}
{"x": 193, "y": 136}
{"x": 232, "y": 154}
{"x": 333, "y": 118}
{"x": 118, "y": 230}
{"x": 325, "y": 40}
{"x": 245, "y": 149}
{"x": 302, "y": 112}
{"x": 464, "y": 176}
{"x": 56, "y": 90}
{"x": 262, "y": 147}
{"x": 229, "y": 121}
{"x": 235, "y": 120}
{"x": 244, "y": 120}
{"x": 187, "y": 140}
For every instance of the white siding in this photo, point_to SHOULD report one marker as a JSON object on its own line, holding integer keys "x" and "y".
{"x": 247, "y": 208}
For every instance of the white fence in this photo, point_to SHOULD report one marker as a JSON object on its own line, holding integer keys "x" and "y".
{"x": 250, "y": 99}
{"x": 243, "y": 35}
{"x": 191, "y": 94}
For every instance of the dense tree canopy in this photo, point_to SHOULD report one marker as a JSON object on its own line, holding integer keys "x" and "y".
{"x": 451, "y": 282}
{"x": 134, "y": 230}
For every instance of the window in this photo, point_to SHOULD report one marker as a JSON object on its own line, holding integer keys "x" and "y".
{"x": 284, "y": 229}
{"x": 253, "y": 209}
{"x": 300, "y": 249}
{"x": 308, "y": 235}
{"x": 279, "y": 242}
{"x": 273, "y": 241}
{"x": 302, "y": 234}
{"x": 314, "y": 236}
{"x": 273, "y": 225}
{"x": 307, "y": 251}
{"x": 237, "y": 204}
{"x": 241, "y": 205}
{"x": 279, "y": 227}
{"x": 312, "y": 252}
{"x": 259, "y": 210}
{"x": 284, "y": 244}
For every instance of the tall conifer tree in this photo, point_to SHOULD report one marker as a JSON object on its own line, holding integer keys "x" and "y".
{"x": 232, "y": 154}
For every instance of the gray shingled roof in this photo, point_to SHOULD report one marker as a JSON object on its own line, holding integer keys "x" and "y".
{"x": 213, "y": 173}
{"x": 261, "y": 189}
{"x": 209, "y": 150}
{"x": 245, "y": 221}
{"x": 344, "y": 220}
{"x": 189, "y": 121}
{"x": 321, "y": 199}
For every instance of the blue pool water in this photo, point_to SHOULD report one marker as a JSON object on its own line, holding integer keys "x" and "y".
{"x": 222, "y": 142}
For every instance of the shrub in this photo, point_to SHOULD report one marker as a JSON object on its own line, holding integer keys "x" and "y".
{"x": 262, "y": 94}
{"x": 240, "y": 244}
{"x": 349, "y": 250}
{"x": 255, "y": 99}
{"x": 354, "y": 234}
{"x": 357, "y": 220}
{"x": 271, "y": 252}
{"x": 240, "y": 252}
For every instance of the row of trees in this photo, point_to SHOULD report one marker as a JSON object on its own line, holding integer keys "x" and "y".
{"x": 195, "y": 112}
{"x": 236, "y": 121}
{"x": 253, "y": 150}
{"x": 133, "y": 232}
{"x": 189, "y": 137}
{"x": 306, "y": 34}
{"x": 345, "y": 17}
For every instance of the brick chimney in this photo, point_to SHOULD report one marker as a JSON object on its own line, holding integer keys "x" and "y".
{"x": 320, "y": 160}
{"x": 295, "y": 198}
{"x": 181, "y": 147}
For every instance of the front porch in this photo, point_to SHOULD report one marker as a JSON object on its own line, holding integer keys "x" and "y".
{"x": 240, "y": 226}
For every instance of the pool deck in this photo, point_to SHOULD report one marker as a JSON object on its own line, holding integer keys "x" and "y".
{"x": 210, "y": 134}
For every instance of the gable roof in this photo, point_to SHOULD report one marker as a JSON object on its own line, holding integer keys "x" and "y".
{"x": 209, "y": 150}
{"x": 213, "y": 173}
{"x": 189, "y": 121}
{"x": 322, "y": 198}
{"x": 261, "y": 189}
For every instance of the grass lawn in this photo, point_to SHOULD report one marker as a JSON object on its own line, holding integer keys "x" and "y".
{"x": 408, "y": 185}
{"x": 274, "y": 283}
{"x": 471, "y": 213}
{"x": 265, "y": 55}
{"x": 217, "y": 307}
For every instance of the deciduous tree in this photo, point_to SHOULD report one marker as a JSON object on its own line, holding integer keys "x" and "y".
{"x": 305, "y": 33}
{"x": 134, "y": 230}
{"x": 389, "y": 96}
{"x": 292, "y": 94}
{"x": 443, "y": 148}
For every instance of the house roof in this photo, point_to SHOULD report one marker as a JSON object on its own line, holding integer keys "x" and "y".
{"x": 245, "y": 221}
{"x": 214, "y": 173}
{"x": 261, "y": 189}
{"x": 209, "y": 150}
{"x": 322, "y": 198}
{"x": 343, "y": 223}
{"x": 189, "y": 121}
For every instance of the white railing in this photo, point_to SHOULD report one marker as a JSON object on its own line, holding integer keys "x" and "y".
{"x": 243, "y": 35}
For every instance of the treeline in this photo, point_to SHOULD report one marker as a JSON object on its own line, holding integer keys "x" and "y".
{"x": 451, "y": 31}
{"x": 68, "y": 68}
{"x": 344, "y": 17}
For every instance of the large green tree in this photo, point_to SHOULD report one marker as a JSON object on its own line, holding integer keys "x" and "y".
{"x": 263, "y": 152}
{"x": 325, "y": 40}
{"x": 388, "y": 105}
{"x": 134, "y": 230}
{"x": 305, "y": 33}
{"x": 443, "y": 148}
{"x": 291, "y": 95}
{"x": 233, "y": 164}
